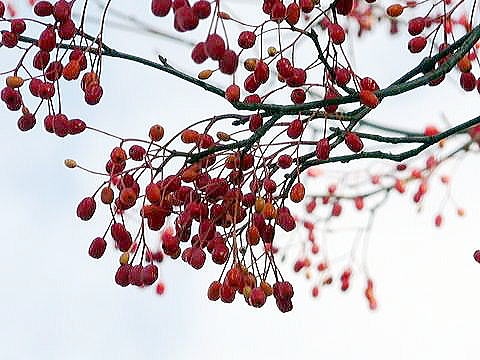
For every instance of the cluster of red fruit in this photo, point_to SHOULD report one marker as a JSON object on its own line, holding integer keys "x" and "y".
{"x": 446, "y": 22}
{"x": 186, "y": 17}
{"x": 211, "y": 214}
{"x": 53, "y": 66}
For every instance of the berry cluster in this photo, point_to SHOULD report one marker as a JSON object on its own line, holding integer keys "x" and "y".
{"x": 234, "y": 191}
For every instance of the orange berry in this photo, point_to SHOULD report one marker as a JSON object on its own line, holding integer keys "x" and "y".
{"x": 259, "y": 204}
{"x": 107, "y": 195}
{"x": 297, "y": 193}
{"x": 464, "y": 64}
{"x": 250, "y": 64}
{"x": 156, "y": 132}
{"x": 395, "y": 10}
{"x": 205, "y": 74}
{"x": 269, "y": 211}
{"x": 189, "y": 136}
{"x": 253, "y": 235}
{"x": 14, "y": 81}
{"x": 128, "y": 197}
{"x": 71, "y": 71}
{"x": 368, "y": 98}
{"x": 89, "y": 79}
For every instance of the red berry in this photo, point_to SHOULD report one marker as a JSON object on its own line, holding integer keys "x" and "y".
{"x": 160, "y": 288}
{"x": 137, "y": 152}
{"x": 26, "y": 122}
{"x": 306, "y": 5}
{"x": 295, "y": 129}
{"x": 417, "y": 44}
{"x": 232, "y": 93}
{"x": 97, "y": 248}
{"x": 122, "y": 275}
{"x": 93, "y": 94}
{"x": 54, "y": 71}
{"x": 336, "y": 33}
{"x": 43, "y": 8}
{"x": 298, "y": 96}
{"x": 431, "y": 131}
{"x": 285, "y": 161}
{"x": 344, "y": 7}
{"x": 185, "y": 19}
{"x": 298, "y": 78}
{"x": 416, "y": 25}
{"x": 262, "y": 72}
{"x": 293, "y": 14}
{"x": 61, "y": 11}
{"x": 41, "y": 60}
{"x": 161, "y": 7}
{"x": 149, "y": 274}
{"x": 255, "y": 122}
{"x": 278, "y": 12}
{"x": 468, "y": 81}
{"x": 220, "y": 254}
{"x": 9, "y": 39}
{"x": 215, "y": 46}
{"x": 67, "y": 30}
{"x": 199, "y": 54}
{"x": 214, "y": 290}
{"x": 368, "y": 98}
{"x": 246, "y": 39}
{"x": 252, "y": 99}
{"x": 336, "y": 209}
{"x": 197, "y": 258}
{"x": 323, "y": 149}
{"x": 229, "y": 62}
{"x": 251, "y": 84}
{"x": 34, "y": 86}
{"x": 86, "y": 208}
{"x": 297, "y": 193}
{"x": 342, "y": 76}
{"x": 353, "y": 142}
{"x": 18, "y": 26}
{"x": 367, "y": 83}
{"x": 135, "y": 275}
{"x": 284, "y": 68}
{"x": 202, "y": 9}
{"x": 476, "y": 256}
{"x": 257, "y": 297}
{"x": 47, "y": 40}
